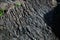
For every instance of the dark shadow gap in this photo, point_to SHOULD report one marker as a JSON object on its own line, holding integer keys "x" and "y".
{"x": 53, "y": 20}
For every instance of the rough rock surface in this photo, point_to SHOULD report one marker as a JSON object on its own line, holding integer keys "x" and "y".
{"x": 25, "y": 22}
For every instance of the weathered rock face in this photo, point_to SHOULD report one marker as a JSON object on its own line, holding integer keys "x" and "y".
{"x": 26, "y": 22}
{"x": 6, "y": 0}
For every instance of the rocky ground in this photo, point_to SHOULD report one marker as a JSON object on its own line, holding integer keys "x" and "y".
{"x": 25, "y": 21}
